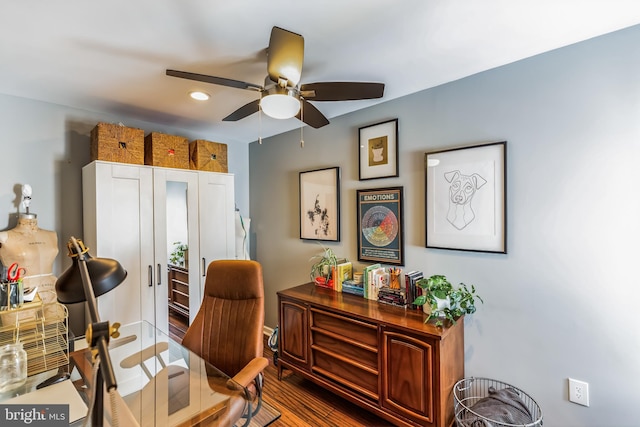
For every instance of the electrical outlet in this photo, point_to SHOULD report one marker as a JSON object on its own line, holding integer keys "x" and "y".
{"x": 578, "y": 392}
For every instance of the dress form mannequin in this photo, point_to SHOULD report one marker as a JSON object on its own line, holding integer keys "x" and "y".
{"x": 34, "y": 250}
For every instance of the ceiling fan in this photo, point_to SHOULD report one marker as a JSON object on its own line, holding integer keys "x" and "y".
{"x": 282, "y": 96}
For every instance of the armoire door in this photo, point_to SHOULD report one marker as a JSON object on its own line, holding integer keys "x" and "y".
{"x": 217, "y": 223}
{"x": 118, "y": 224}
{"x": 178, "y": 211}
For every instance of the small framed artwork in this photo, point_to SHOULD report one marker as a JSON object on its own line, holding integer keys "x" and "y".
{"x": 380, "y": 225}
{"x": 378, "y": 150}
{"x": 465, "y": 203}
{"x": 320, "y": 204}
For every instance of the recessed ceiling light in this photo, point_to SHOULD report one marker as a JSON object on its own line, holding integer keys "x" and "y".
{"x": 200, "y": 96}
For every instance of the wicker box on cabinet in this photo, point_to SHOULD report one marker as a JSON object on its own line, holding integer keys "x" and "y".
{"x": 169, "y": 151}
{"x": 117, "y": 143}
{"x": 208, "y": 156}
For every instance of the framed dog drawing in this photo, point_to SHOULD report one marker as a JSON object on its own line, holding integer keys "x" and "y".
{"x": 465, "y": 203}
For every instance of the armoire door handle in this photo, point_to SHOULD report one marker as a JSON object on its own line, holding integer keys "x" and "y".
{"x": 204, "y": 271}
{"x": 150, "y": 275}
{"x": 159, "y": 275}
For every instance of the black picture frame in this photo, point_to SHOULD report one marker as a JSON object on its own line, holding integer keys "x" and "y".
{"x": 378, "y": 150}
{"x": 466, "y": 198}
{"x": 319, "y": 193}
{"x": 381, "y": 225}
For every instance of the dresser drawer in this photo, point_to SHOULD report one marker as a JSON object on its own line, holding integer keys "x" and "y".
{"x": 179, "y": 275}
{"x": 360, "y": 355}
{"x": 183, "y": 288}
{"x": 345, "y": 328}
{"x": 344, "y": 373}
{"x": 181, "y": 299}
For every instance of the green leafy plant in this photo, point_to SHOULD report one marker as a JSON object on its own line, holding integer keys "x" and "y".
{"x": 437, "y": 288}
{"x": 321, "y": 269}
{"x": 179, "y": 255}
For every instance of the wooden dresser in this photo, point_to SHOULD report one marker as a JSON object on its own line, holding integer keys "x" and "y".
{"x": 179, "y": 290}
{"x": 380, "y": 357}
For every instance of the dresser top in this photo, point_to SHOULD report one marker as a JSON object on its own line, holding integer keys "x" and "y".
{"x": 364, "y": 309}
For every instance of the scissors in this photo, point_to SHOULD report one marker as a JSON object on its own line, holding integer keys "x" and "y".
{"x": 15, "y": 272}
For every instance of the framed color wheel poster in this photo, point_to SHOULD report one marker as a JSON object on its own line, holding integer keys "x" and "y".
{"x": 380, "y": 228}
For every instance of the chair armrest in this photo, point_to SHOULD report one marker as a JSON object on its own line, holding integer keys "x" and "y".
{"x": 250, "y": 371}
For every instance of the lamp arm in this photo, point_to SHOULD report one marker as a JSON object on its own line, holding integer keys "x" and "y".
{"x": 105, "y": 364}
{"x": 98, "y": 334}
{"x": 86, "y": 283}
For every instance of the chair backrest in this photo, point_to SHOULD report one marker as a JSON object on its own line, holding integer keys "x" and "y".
{"x": 228, "y": 329}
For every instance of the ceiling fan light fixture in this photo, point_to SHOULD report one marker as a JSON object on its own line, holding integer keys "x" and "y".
{"x": 280, "y": 103}
{"x": 200, "y": 96}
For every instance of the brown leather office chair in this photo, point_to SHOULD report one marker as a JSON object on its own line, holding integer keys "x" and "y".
{"x": 228, "y": 329}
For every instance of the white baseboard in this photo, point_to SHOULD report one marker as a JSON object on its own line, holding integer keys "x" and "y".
{"x": 267, "y": 330}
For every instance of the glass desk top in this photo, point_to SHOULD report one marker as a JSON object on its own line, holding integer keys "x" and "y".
{"x": 160, "y": 383}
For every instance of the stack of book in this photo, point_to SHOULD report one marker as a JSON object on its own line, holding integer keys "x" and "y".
{"x": 353, "y": 287}
{"x": 411, "y": 289}
{"x": 392, "y": 296}
{"x": 341, "y": 272}
{"x": 371, "y": 277}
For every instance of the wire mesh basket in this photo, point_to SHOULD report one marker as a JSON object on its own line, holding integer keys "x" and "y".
{"x": 483, "y": 402}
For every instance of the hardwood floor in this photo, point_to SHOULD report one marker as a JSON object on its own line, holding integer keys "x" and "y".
{"x": 301, "y": 402}
{"x": 177, "y": 326}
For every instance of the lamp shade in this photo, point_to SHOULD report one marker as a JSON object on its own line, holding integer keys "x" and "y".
{"x": 105, "y": 275}
{"x": 280, "y": 103}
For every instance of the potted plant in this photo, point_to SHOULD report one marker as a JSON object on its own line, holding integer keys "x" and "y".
{"x": 445, "y": 301}
{"x": 321, "y": 269}
{"x": 180, "y": 255}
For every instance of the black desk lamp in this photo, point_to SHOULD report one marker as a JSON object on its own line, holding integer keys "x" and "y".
{"x": 85, "y": 280}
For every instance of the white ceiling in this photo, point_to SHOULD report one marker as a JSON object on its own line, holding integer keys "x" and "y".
{"x": 111, "y": 56}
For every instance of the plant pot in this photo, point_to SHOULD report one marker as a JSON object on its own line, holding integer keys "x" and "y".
{"x": 441, "y": 305}
{"x": 323, "y": 282}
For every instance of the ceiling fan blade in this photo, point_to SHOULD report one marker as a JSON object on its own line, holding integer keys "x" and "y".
{"x": 311, "y": 115}
{"x": 244, "y": 111}
{"x": 213, "y": 79}
{"x": 341, "y": 91}
{"x": 285, "y": 56}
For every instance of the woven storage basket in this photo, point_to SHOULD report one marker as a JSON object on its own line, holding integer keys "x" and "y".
{"x": 166, "y": 150}
{"x": 117, "y": 143}
{"x": 208, "y": 156}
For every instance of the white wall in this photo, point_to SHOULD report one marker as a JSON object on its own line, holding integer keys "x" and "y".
{"x": 563, "y": 301}
{"x": 46, "y": 146}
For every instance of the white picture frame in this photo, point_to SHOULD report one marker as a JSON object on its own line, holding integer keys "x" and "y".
{"x": 465, "y": 200}
{"x": 320, "y": 204}
{"x": 378, "y": 150}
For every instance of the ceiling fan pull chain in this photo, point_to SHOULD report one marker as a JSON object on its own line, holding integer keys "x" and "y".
{"x": 260, "y": 124}
{"x": 301, "y": 125}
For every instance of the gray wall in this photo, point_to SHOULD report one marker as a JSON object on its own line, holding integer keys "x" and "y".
{"x": 46, "y": 146}
{"x": 563, "y": 301}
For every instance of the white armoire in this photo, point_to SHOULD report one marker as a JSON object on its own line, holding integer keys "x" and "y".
{"x": 125, "y": 218}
